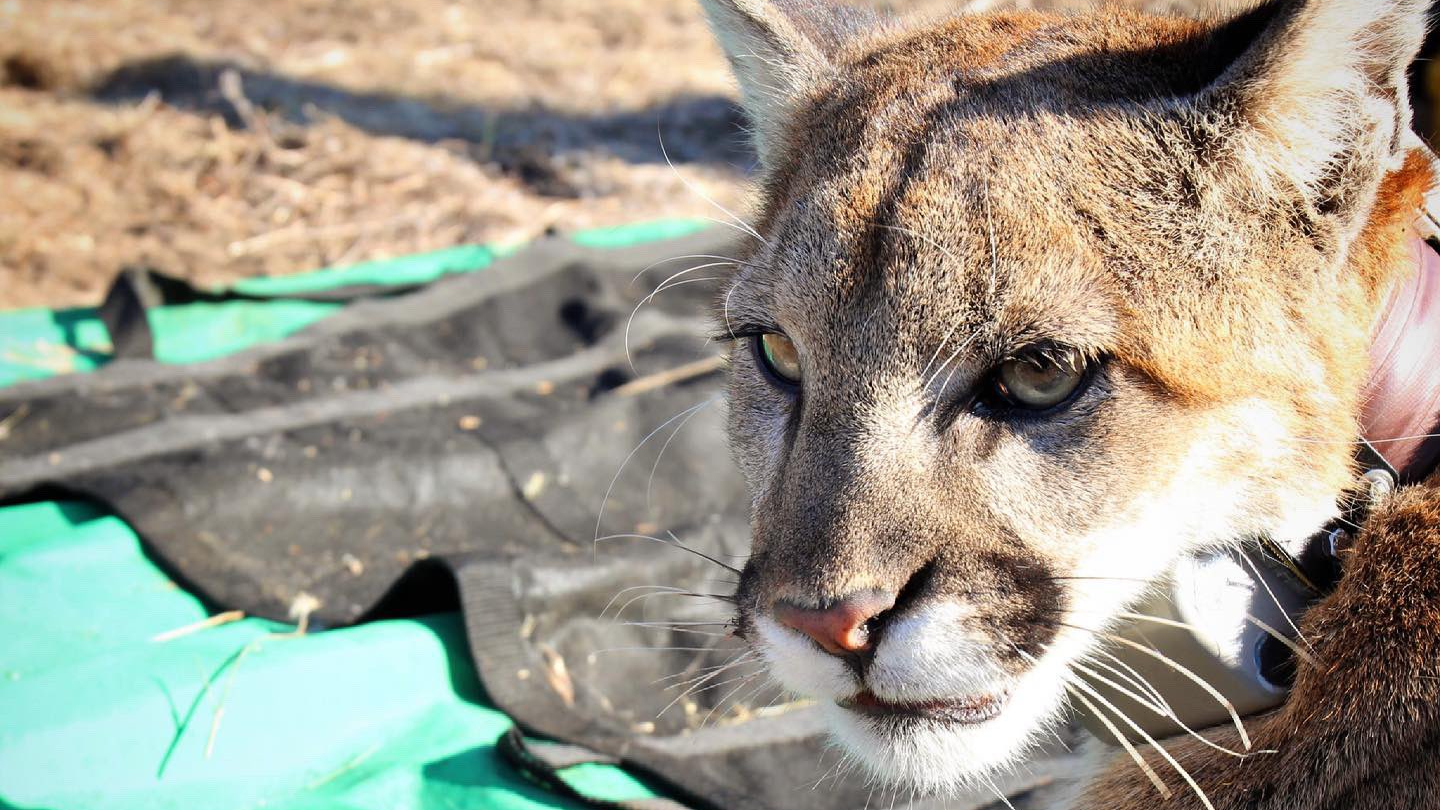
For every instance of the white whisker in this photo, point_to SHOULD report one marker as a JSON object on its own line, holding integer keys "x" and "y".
{"x": 739, "y": 223}
{"x": 673, "y": 543}
{"x": 727, "y": 696}
{"x": 1255, "y": 570}
{"x": 624, "y": 591}
{"x": 650, "y": 482}
{"x": 1158, "y": 748}
{"x": 631, "y": 320}
{"x": 599, "y": 519}
{"x": 668, "y": 592}
{"x": 653, "y": 265}
{"x": 1124, "y": 742}
{"x": 1196, "y": 679}
{"x": 1167, "y": 712}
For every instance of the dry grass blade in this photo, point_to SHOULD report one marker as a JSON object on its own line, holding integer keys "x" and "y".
{"x": 204, "y": 624}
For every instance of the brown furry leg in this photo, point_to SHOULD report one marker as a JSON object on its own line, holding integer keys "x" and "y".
{"x": 1361, "y": 730}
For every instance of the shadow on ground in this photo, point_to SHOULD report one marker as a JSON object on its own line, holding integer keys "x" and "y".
{"x": 524, "y": 142}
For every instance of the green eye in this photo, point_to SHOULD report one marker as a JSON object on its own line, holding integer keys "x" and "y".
{"x": 780, "y": 356}
{"x": 1040, "y": 380}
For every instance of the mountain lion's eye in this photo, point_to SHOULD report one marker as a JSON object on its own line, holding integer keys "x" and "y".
{"x": 1038, "y": 381}
{"x": 780, "y": 356}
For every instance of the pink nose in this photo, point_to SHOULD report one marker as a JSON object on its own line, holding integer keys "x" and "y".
{"x": 843, "y": 627}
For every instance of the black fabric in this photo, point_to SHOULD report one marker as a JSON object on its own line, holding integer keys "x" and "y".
{"x": 123, "y": 313}
{"x": 542, "y": 762}
{"x": 468, "y": 436}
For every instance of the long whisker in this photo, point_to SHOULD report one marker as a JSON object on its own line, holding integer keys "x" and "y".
{"x": 1098, "y": 579}
{"x": 1280, "y": 637}
{"x": 669, "y": 592}
{"x": 662, "y": 286}
{"x": 695, "y": 685}
{"x": 925, "y": 372}
{"x": 720, "y": 703}
{"x": 705, "y": 633}
{"x": 732, "y": 226}
{"x": 1167, "y": 712}
{"x": 1255, "y": 570}
{"x": 1267, "y": 629}
{"x": 675, "y": 544}
{"x": 624, "y": 591}
{"x": 631, "y": 321}
{"x": 990, "y": 783}
{"x": 950, "y": 360}
{"x": 653, "y": 265}
{"x": 994, "y": 246}
{"x": 911, "y": 232}
{"x": 725, "y": 308}
{"x": 1124, "y": 742}
{"x": 1176, "y": 666}
{"x": 650, "y": 482}
{"x": 1146, "y": 701}
{"x": 758, "y": 680}
{"x": 1117, "y": 664}
{"x": 1415, "y": 437}
{"x": 652, "y": 649}
{"x": 691, "y": 669}
{"x": 695, "y": 674}
{"x": 835, "y": 769}
{"x": 693, "y": 692}
{"x": 739, "y": 223}
{"x": 599, "y": 519}
{"x": 1159, "y": 749}
{"x": 678, "y": 624}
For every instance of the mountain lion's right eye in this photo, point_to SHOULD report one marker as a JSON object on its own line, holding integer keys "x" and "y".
{"x": 780, "y": 356}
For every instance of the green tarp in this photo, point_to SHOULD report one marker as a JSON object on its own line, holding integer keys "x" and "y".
{"x": 107, "y": 702}
{"x": 41, "y": 342}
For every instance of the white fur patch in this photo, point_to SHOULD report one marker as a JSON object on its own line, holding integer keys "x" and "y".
{"x": 800, "y": 666}
{"x": 928, "y": 654}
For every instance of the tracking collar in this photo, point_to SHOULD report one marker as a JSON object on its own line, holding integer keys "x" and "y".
{"x": 1401, "y": 416}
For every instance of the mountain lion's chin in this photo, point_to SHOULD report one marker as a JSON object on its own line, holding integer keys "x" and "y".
{"x": 945, "y": 746}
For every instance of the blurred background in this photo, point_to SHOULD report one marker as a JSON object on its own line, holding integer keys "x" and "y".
{"x": 218, "y": 139}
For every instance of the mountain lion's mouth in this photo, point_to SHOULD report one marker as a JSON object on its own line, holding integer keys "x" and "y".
{"x": 968, "y": 711}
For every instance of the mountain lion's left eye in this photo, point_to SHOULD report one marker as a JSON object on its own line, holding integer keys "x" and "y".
{"x": 1038, "y": 381}
{"x": 780, "y": 356}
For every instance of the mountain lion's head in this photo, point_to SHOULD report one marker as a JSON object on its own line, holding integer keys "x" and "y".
{"x": 1033, "y": 306}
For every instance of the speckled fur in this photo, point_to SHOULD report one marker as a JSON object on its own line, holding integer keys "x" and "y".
{"x": 1213, "y": 212}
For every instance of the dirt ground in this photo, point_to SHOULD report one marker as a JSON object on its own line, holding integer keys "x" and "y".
{"x": 216, "y": 139}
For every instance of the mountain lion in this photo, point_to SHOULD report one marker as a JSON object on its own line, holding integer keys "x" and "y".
{"x": 1032, "y": 307}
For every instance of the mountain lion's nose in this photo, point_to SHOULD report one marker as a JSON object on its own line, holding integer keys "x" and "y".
{"x": 842, "y": 627}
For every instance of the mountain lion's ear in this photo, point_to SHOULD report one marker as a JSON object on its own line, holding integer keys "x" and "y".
{"x": 1315, "y": 95}
{"x": 778, "y": 49}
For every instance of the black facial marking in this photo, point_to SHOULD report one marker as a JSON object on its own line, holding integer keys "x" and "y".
{"x": 1027, "y": 604}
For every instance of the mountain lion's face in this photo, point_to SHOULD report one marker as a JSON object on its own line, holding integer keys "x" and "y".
{"x": 1035, "y": 306}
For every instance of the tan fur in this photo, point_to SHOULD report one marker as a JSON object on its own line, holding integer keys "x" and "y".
{"x": 1212, "y": 213}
